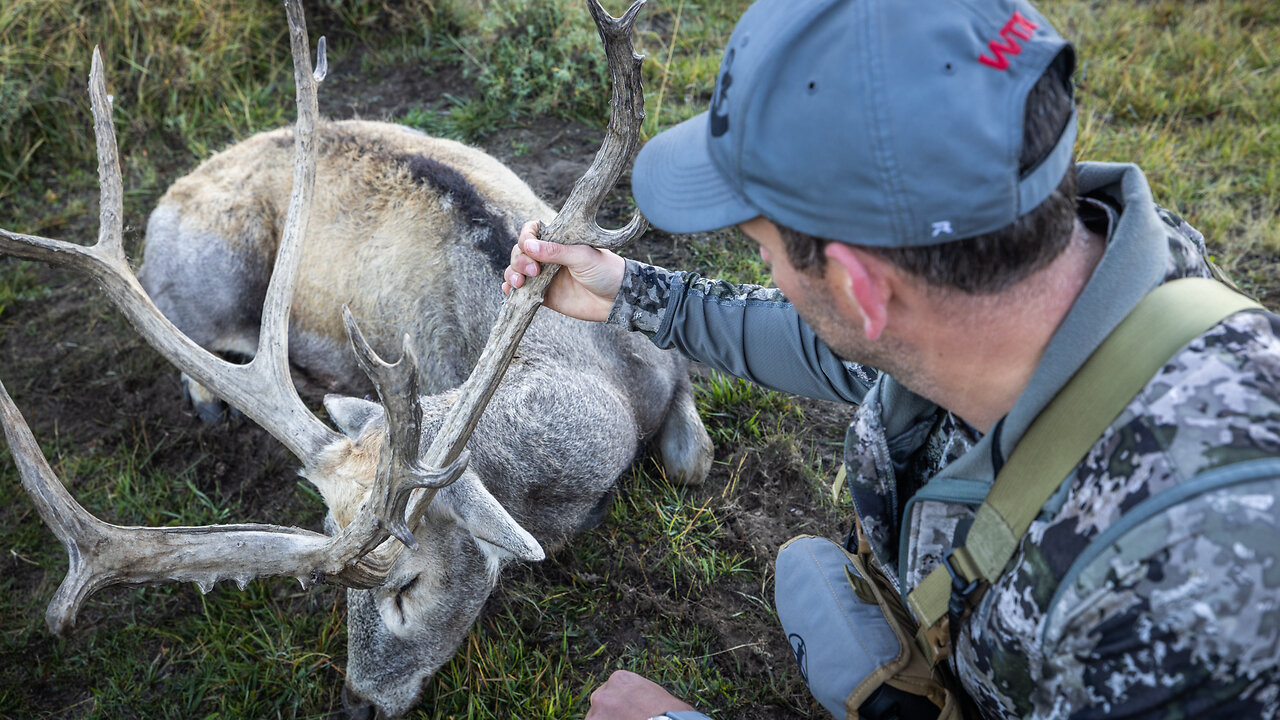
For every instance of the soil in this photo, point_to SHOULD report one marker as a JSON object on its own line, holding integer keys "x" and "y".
{"x": 88, "y": 384}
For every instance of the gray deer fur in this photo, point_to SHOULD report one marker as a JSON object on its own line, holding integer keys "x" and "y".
{"x": 412, "y": 232}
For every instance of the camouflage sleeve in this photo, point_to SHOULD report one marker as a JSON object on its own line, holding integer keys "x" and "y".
{"x": 1183, "y": 228}
{"x": 1179, "y": 617}
{"x": 1188, "y": 255}
{"x": 642, "y": 299}
{"x": 748, "y": 331}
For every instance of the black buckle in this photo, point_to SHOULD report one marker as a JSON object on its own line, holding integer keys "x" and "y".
{"x": 958, "y": 603}
{"x": 851, "y": 540}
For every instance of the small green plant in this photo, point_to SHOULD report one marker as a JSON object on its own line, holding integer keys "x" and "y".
{"x": 199, "y": 71}
{"x": 727, "y": 254}
{"x": 445, "y": 123}
{"x": 736, "y": 410}
{"x": 18, "y": 282}
{"x": 535, "y": 59}
{"x": 683, "y": 42}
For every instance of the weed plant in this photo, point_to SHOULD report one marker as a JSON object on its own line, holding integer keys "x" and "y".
{"x": 538, "y": 58}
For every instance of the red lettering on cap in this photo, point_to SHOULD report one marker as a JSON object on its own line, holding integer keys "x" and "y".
{"x": 1017, "y": 28}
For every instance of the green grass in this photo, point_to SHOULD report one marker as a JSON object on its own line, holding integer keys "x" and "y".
{"x": 738, "y": 409}
{"x": 544, "y": 649}
{"x": 190, "y": 73}
{"x": 18, "y": 281}
{"x": 683, "y": 41}
{"x": 1190, "y": 91}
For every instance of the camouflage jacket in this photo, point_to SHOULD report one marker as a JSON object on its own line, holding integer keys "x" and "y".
{"x": 1150, "y": 584}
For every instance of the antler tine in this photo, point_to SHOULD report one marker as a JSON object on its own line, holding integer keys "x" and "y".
{"x": 576, "y": 221}
{"x": 273, "y": 334}
{"x": 263, "y": 389}
{"x": 399, "y": 471}
{"x": 78, "y": 531}
{"x": 110, "y": 183}
{"x": 396, "y": 384}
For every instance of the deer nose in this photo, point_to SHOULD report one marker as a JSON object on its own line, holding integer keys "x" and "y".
{"x": 358, "y": 708}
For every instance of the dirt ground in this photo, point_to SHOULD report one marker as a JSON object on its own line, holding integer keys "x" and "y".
{"x": 85, "y": 380}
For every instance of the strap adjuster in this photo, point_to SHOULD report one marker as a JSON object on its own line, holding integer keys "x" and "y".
{"x": 961, "y": 589}
{"x": 959, "y": 604}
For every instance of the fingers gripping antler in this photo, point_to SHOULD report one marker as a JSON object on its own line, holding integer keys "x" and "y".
{"x": 102, "y": 554}
{"x": 574, "y": 224}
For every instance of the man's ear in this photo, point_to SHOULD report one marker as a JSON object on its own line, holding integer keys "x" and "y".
{"x": 866, "y": 280}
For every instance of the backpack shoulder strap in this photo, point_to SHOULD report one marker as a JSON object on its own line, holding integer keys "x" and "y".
{"x": 1160, "y": 325}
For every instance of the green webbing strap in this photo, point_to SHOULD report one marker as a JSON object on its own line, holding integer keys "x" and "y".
{"x": 1160, "y": 325}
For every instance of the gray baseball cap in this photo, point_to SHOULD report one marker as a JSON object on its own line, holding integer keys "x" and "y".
{"x": 891, "y": 123}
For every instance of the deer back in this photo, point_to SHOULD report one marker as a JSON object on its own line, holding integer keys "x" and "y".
{"x": 409, "y": 231}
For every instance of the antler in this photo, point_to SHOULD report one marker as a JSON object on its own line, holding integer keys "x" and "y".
{"x": 574, "y": 224}
{"x": 102, "y": 554}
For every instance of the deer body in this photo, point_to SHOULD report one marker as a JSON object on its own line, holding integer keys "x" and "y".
{"x": 411, "y": 233}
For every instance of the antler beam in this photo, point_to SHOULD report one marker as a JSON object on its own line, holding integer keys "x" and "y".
{"x": 262, "y": 389}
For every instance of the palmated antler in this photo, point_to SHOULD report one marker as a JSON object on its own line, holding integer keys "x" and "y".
{"x": 574, "y": 224}
{"x": 102, "y": 554}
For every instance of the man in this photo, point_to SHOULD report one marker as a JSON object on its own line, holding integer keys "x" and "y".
{"x": 905, "y": 168}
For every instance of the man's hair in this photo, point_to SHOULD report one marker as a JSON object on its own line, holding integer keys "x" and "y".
{"x": 994, "y": 261}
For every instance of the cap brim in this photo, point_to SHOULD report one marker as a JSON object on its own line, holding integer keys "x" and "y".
{"x": 679, "y": 187}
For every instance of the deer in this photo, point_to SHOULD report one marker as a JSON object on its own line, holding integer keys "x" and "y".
{"x": 375, "y": 241}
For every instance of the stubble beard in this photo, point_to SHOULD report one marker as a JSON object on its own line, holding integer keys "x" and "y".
{"x": 886, "y": 354}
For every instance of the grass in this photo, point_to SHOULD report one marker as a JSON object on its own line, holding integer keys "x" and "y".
{"x": 683, "y": 41}
{"x": 738, "y": 409}
{"x": 190, "y": 74}
{"x": 546, "y": 646}
{"x": 1190, "y": 91}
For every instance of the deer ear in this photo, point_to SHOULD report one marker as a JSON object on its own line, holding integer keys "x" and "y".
{"x": 477, "y": 511}
{"x": 352, "y": 415}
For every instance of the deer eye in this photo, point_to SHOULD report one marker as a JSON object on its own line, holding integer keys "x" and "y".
{"x": 400, "y": 596}
{"x": 408, "y": 585}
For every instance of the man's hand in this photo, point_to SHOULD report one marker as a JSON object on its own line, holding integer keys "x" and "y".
{"x": 587, "y": 288}
{"x": 628, "y": 696}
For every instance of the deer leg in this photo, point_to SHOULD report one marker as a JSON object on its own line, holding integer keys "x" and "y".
{"x": 683, "y": 441}
{"x": 209, "y": 407}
